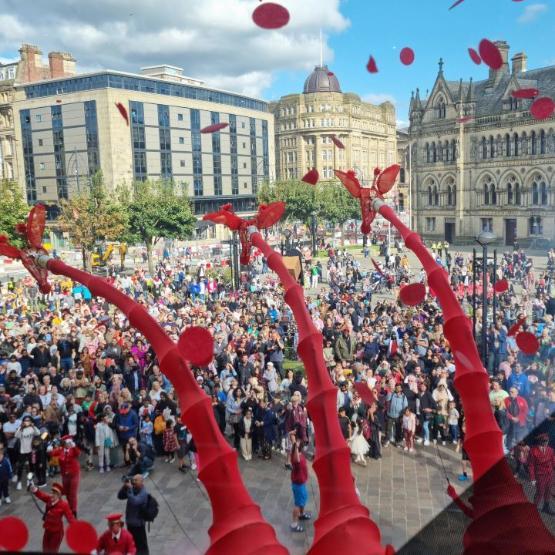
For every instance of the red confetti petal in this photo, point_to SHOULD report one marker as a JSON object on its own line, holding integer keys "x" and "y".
{"x": 365, "y": 393}
{"x": 271, "y": 16}
{"x": 474, "y": 56}
{"x": 525, "y": 93}
{"x": 527, "y": 342}
{"x": 81, "y": 537}
{"x": 465, "y": 119}
{"x": 515, "y": 328}
{"x": 501, "y": 286}
{"x": 456, "y": 4}
{"x": 330, "y": 74}
{"x": 412, "y": 294}
{"x": 377, "y": 266}
{"x": 337, "y": 142}
{"x": 123, "y": 111}
{"x": 490, "y": 54}
{"x": 387, "y": 178}
{"x": 311, "y": 177}
{"x": 214, "y": 127}
{"x": 269, "y": 214}
{"x": 13, "y": 533}
{"x": 371, "y": 66}
{"x": 197, "y": 345}
{"x": 407, "y": 56}
{"x": 542, "y": 108}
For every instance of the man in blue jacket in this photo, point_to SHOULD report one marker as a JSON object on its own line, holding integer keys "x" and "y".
{"x": 134, "y": 491}
{"x": 519, "y": 380}
{"x": 396, "y": 403}
{"x": 127, "y": 424}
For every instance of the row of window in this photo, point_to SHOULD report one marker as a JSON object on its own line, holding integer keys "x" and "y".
{"x": 535, "y": 225}
{"x": 440, "y": 152}
{"x": 514, "y": 145}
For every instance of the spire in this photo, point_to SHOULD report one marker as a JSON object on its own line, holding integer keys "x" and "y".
{"x": 461, "y": 90}
{"x": 470, "y": 95}
{"x": 440, "y": 64}
{"x": 417, "y": 102}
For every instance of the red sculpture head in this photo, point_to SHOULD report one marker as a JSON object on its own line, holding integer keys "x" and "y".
{"x": 32, "y": 232}
{"x": 267, "y": 216}
{"x": 383, "y": 183}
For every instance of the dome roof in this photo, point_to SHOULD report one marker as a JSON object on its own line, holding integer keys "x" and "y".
{"x": 321, "y": 80}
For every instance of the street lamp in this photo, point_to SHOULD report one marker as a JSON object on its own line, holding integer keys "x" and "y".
{"x": 313, "y": 229}
{"x": 287, "y": 234}
{"x": 484, "y": 239}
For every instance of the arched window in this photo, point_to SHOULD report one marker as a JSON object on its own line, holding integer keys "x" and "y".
{"x": 401, "y": 202}
{"x": 427, "y": 153}
{"x": 450, "y": 195}
{"x": 516, "y": 142}
{"x": 543, "y": 193}
{"x": 542, "y": 142}
{"x": 486, "y": 193}
{"x": 441, "y": 109}
{"x": 430, "y": 195}
{"x": 453, "y": 150}
{"x": 493, "y": 194}
{"x": 517, "y": 195}
{"x": 491, "y": 147}
{"x": 513, "y": 189}
{"x": 535, "y": 194}
{"x": 436, "y": 196}
{"x": 510, "y": 193}
{"x": 533, "y": 141}
{"x": 507, "y": 145}
{"x": 434, "y": 153}
{"x": 446, "y": 150}
{"x": 440, "y": 151}
{"x": 484, "y": 148}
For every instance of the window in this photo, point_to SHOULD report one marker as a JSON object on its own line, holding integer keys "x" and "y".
{"x": 516, "y": 143}
{"x": 491, "y": 147}
{"x": 535, "y": 194}
{"x": 535, "y": 225}
{"x": 441, "y": 109}
{"x": 181, "y": 140}
{"x": 507, "y": 145}
{"x": 542, "y": 142}
{"x": 42, "y": 165}
{"x": 436, "y": 196}
{"x": 533, "y": 141}
{"x": 179, "y": 117}
{"x": 401, "y": 203}
{"x": 41, "y": 142}
{"x": 434, "y": 153}
{"x": 517, "y": 195}
{"x": 486, "y": 224}
{"x": 484, "y": 148}
{"x": 38, "y": 117}
{"x": 543, "y": 193}
{"x": 489, "y": 192}
{"x": 182, "y": 163}
{"x": 451, "y": 193}
{"x": 453, "y": 150}
{"x": 428, "y": 158}
{"x": 430, "y": 224}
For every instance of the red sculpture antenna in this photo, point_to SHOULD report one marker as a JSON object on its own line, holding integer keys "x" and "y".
{"x": 267, "y": 216}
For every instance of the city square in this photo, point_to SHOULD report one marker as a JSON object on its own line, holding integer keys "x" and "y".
{"x": 244, "y": 308}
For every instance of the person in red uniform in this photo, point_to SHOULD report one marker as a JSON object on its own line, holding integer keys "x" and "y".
{"x": 540, "y": 465}
{"x": 116, "y": 539}
{"x": 56, "y": 509}
{"x": 68, "y": 456}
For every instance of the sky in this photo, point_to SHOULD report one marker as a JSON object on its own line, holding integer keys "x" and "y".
{"x": 216, "y": 40}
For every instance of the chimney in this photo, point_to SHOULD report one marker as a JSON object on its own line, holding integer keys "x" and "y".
{"x": 30, "y": 64}
{"x": 496, "y": 74}
{"x": 520, "y": 62}
{"x": 61, "y": 64}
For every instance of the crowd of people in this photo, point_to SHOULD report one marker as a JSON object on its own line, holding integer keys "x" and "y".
{"x": 79, "y": 386}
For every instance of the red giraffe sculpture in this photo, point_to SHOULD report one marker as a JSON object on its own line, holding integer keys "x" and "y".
{"x": 235, "y": 515}
{"x": 344, "y": 524}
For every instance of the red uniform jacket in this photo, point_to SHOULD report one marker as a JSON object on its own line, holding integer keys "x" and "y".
{"x": 522, "y": 408}
{"x": 125, "y": 545}
{"x": 541, "y": 463}
{"x": 55, "y": 513}
{"x": 69, "y": 459}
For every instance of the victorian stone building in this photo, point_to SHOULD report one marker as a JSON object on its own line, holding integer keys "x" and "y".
{"x": 305, "y": 123}
{"x": 480, "y": 162}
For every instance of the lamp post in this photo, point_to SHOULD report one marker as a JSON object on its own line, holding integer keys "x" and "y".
{"x": 287, "y": 234}
{"x": 314, "y": 230}
{"x": 484, "y": 239}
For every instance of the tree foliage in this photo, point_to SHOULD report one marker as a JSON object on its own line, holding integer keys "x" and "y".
{"x": 334, "y": 203}
{"x": 155, "y": 211}
{"x": 92, "y": 216}
{"x": 14, "y": 210}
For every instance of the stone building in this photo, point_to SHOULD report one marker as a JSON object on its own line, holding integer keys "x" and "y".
{"x": 69, "y": 128}
{"x": 480, "y": 161}
{"x": 28, "y": 68}
{"x": 401, "y": 190}
{"x": 305, "y": 123}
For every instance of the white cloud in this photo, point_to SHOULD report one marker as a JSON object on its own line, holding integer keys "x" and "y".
{"x": 215, "y": 40}
{"x": 532, "y": 12}
{"x": 379, "y": 98}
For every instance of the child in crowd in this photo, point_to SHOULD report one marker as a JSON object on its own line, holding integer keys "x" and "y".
{"x": 409, "y": 429}
{"x": 359, "y": 445}
{"x": 170, "y": 441}
{"x": 146, "y": 429}
{"x": 453, "y": 422}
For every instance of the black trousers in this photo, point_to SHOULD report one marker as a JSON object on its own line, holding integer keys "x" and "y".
{"x": 4, "y": 488}
{"x": 139, "y": 535}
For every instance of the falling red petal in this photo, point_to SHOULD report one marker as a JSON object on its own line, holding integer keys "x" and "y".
{"x": 330, "y": 74}
{"x": 270, "y": 16}
{"x": 413, "y": 294}
{"x": 490, "y": 54}
{"x": 311, "y": 177}
{"x": 501, "y": 286}
{"x": 525, "y": 93}
{"x": 123, "y": 112}
{"x": 465, "y": 119}
{"x": 407, "y": 56}
{"x": 81, "y": 537}
{"x": 365, "y": 393}
{"x": 13, "y": 533}
{"x": 377, "y": 266}
{"x": 515, "y": 328}
{"x": 456, "y": 4}
{"x": 371, "y": 66}
{"x": 337, "y": 142}
{"x": 270, "y": 215}
{"x": 474, "y": 56}
{"x": 214, "y": 127}
{"x": 527, "y": 342}
{"x": 197, "y": 345}
{"x": 542, "y": 108}
{"x": 387, "y": 178}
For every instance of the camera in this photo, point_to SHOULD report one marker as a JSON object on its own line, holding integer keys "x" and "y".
{"x": 125, "y": 479}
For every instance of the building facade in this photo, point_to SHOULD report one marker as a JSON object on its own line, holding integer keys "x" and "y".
{"x": 402, "y": 190}
{"x": 71, "y": 128}
{"x": 480, "y": 161}
{"x": 306, "y": 122}
{"x": 27, "y": 69}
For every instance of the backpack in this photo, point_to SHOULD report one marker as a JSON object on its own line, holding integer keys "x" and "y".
{"x": 149, "y": 511}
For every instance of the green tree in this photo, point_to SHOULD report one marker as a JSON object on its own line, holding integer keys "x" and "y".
{"x": 155, "y": 211}
{"x": 14, "y": 210}
{"x": 299, "y": 198}
{"x": 92, "y": 216}
{"x": 335, "y": 204}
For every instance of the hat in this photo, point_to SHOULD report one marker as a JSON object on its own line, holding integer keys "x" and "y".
{"x": 67, "y": 438}
{"x": 58, "y": 488}
{"x": 115, "y": 517}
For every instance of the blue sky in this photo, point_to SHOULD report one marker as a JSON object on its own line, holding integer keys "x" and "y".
{"x": 382, "y": 28}
{"x": 216, "y": 40}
